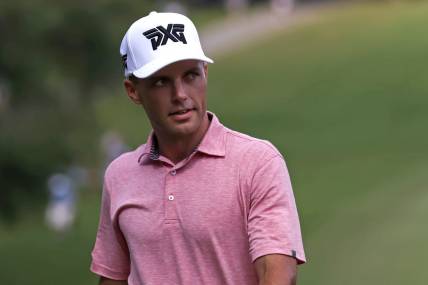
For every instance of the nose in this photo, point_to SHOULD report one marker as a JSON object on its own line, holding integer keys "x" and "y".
{"x": 179, "y": 91}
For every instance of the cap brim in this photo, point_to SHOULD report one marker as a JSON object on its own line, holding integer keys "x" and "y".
{"x": 156, "y": 65}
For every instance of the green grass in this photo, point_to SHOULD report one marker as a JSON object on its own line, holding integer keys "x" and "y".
{"x": 30, "y": 254}
{"x": 345, "y": 99}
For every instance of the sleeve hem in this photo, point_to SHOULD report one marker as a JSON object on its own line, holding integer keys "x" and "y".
{"x": 301, "y": 259}
{"x": 102, "y": 270}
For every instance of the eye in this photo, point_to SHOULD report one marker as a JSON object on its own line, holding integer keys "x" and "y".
{"x": 159, "y": 82}
{"x": 191, "y": 75}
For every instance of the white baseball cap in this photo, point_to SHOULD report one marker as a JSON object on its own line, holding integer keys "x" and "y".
{"x": 157, "y": 40}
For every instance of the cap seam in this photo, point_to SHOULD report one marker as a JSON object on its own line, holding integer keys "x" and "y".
{"x": 131, "y": 52}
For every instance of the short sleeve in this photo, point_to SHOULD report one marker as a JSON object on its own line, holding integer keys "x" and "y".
{"x": 110, "y": 256}
{"x": 273, "y": 222}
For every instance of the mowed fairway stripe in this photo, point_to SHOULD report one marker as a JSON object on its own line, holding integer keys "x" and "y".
{"x": 378, "y": 238}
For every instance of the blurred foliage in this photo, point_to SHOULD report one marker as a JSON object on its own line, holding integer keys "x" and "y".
{"x": 55, "y": 58}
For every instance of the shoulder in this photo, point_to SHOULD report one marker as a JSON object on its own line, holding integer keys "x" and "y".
{"x": 254, "y": 158}
{"x": 127, "y": 162}
{"x": 249, "y": 147}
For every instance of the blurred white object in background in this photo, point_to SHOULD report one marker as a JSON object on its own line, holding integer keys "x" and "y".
{"x": 282, "y": 6}
{"x": 61, "y": 210}
{"x": 233, "y": 6}
{"x": 112, "y": 145}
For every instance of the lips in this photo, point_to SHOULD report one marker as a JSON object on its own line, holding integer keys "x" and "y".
{"x": 181, "y": 111}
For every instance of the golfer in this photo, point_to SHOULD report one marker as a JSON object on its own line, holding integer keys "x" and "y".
{"x": 198, "y": 203}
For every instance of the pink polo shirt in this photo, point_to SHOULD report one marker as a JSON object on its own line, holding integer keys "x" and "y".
{"x": 204, "y": 220}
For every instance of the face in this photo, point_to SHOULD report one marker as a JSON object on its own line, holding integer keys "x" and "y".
{"x": 174, "y": 98}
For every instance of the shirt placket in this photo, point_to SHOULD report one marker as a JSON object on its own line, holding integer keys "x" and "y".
{"x": 172, "y": 188}
{"x": 171, "y": 182}
{"x": 170, "y": 196}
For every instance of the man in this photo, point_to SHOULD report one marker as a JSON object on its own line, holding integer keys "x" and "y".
{"x": 198, "y": 203}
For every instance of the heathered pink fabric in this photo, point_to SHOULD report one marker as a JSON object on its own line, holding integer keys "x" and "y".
{"x": 201, "y": 221}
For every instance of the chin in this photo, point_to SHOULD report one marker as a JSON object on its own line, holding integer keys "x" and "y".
{"x": 186, "y": 130}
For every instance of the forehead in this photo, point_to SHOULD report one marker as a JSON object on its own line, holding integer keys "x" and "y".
{"x": 178, "y": 67}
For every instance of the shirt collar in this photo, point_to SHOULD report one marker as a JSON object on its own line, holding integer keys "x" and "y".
{"x": 150, "y": 149}
{"x": 213, "y": 143}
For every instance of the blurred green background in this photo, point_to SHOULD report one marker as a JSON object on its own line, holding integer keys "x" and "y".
{"x": 343, "y": 96}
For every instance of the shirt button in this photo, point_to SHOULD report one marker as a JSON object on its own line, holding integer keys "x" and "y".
{"x": 171, "y": 197}
{"x": 173, "y": 172}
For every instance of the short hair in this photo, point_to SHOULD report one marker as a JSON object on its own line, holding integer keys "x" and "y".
{"x": 133, "y": 78}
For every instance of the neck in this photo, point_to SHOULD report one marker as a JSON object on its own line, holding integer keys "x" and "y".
{"x": 178, "y": 148}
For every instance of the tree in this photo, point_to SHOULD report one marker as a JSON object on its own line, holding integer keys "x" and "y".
{"x": 55, "y": 57}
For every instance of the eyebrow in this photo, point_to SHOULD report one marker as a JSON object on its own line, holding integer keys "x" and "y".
{"x": 158, "y": 77}
{"x": 193, "y": 69}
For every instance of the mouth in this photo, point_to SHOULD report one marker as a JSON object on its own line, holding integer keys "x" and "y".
{"x": 181, "y": 112}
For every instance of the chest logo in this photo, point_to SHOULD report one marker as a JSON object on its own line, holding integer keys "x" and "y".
{"x": 160, "y": 35}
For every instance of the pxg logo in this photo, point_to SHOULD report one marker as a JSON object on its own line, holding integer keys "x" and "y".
{"x": 160, "y": 36}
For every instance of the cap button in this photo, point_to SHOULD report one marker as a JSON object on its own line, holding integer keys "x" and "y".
{"x": 153, "y": 12}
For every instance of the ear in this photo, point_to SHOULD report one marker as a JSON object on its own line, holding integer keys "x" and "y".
{"x": 132, "y": 92}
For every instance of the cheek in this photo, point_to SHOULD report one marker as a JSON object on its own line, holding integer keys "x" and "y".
{"x": 199, "y": 93}
{"x": 154, "y": 108}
